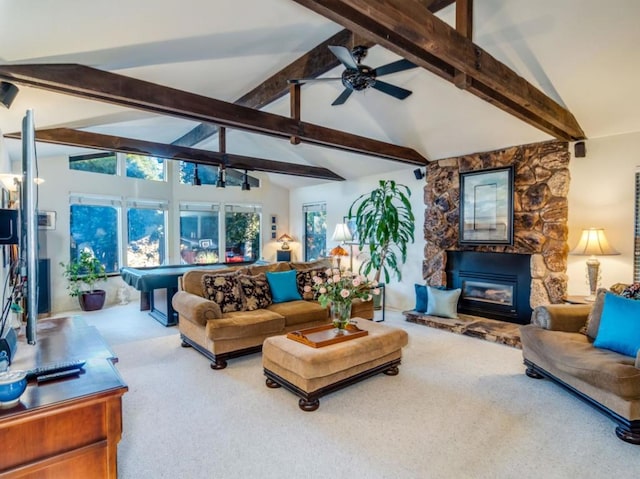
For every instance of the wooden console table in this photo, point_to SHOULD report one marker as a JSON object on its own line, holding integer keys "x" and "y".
{"x": 68, "y": 427}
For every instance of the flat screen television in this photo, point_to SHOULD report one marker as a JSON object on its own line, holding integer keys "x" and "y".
{"x": 8, "y": 226}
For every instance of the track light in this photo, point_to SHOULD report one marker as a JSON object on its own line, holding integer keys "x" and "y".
{"x": 196, "y": 178}
{"x": 221, "y": 183}
{"x": 8, "y": 92}
{"x": 245, "y": 182}
{"x": 418, "y": 173}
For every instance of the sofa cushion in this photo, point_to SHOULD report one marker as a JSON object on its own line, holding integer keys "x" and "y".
{"x": 421, "y": 298}
{"x": 593, "y": 320}
{"x": 304, "y": 281}
{"x": 299, "y": 312}
{"x": 263, "y": 268}
{"x": 322, "y": 263}
{"x": 245, "y": 324}
{"x": 619, "y": 325}
{"x": 573, "y": 354}
{"x": 255, "y": 291}
{"x": 283, "y": 286}
{"x": 224, "y": 290}
{"x": 443, "y": 302}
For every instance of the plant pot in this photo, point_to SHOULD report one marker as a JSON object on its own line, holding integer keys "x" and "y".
{"x": 92, "y": 300}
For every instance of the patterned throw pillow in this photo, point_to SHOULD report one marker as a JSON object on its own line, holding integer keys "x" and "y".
{"x": 304, "y": 278}
{"x": 224, "y": 290}
{"x": 255, "y": 290}
{"x": 632, "y": 291}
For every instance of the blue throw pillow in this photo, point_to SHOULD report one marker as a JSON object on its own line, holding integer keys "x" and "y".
{"x": 421, "y": 298}
{"x": 283, "y": 286}
{"x": 619, "y": 329}
{"x": 443, "y": 302}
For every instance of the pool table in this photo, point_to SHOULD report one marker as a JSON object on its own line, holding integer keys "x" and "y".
{"x": 158, "y": 284}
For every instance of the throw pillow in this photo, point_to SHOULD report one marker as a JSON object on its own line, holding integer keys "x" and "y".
{"x": 443, "y": 302}
{"x": 593, "y": 320}
{"x": 255, "y": 291}
{"x": 421, "y": 298}
{"x": 619, "y": 325}
{"x": 304, "y": 281}
{"x": 283, "y": 286}
{"x": 224, "y": 290}
{"x": 632, "y": 291}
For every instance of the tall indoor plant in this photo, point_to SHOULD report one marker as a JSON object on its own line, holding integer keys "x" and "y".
{"x": 384, "y": 222}
{"x": 82, "y": 275}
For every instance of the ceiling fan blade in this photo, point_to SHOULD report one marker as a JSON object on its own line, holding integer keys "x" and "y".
{"x": 389, "y": 89}
{"x": 302, "y": 81}
{"x": 343, "y": 97}
{"x": 394, "y": 67}
{"x": 344, "y": 55}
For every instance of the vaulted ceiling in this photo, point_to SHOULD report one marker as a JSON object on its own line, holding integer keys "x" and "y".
{"x": 514, "y": 72}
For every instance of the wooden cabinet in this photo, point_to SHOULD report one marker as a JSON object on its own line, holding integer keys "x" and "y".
{"x": 70, "y": 427}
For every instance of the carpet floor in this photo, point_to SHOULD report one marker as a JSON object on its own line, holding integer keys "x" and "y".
{"x": 460, "y": 408}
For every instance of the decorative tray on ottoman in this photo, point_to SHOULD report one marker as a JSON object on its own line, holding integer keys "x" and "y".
{"x": 326, "y": 335}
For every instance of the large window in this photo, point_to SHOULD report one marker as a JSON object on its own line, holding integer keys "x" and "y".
{"x": 145, "y": 167}
{"x": 242, "y": 232}
{"x": 94, "y": 227}
{"x": 199, "y": 225}
{"x": 315, "y": 231}
{"x": 106, "y": 163}
{"x": 146, "y": 227}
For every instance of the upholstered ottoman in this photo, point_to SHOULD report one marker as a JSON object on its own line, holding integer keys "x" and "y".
{"x": 313, "y": 372}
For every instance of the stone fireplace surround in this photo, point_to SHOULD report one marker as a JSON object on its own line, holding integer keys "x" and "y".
{"x": 541, "y": 186}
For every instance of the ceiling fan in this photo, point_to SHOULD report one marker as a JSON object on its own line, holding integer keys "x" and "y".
{"x": 358, "y": 77}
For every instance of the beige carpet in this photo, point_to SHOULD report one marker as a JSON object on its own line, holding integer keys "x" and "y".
{"x": 460, "y": 408}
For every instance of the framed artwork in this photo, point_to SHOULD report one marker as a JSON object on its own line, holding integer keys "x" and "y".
{"x": 46, "y": 220}
{"x": 351, "y": 224}
{"x": 486, "y": 207}
{"x": 273, "y": 235}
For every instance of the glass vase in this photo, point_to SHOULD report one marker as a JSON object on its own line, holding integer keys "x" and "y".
{"x": 340, "y": 314}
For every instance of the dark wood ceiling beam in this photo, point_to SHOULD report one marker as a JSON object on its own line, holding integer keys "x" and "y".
{"x": 409, "y": 29}
{"x": 464, "y": 26}
{"x": 87, "y": 82}
{"x": 79, "y": 138}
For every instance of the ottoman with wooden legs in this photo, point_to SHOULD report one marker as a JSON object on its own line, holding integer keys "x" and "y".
{"x": 311, "y": 372}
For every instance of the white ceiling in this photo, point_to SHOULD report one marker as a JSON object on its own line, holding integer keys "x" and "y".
{"x": 582, "y": 53}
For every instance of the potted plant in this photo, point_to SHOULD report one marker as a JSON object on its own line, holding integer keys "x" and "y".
{"x": 384, "y": 222}
{"x": 82, "y": 275}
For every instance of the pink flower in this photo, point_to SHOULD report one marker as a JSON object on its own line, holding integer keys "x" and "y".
{"x": 336, "y": 278}
{"x": 345, "y": 293}
{"x": 323, "y": 290}
{"x": 307, "y": 288}
{"x": 376, "y": 291}
{"x": 317, "y": 280}
{"x": 355, "y": 282}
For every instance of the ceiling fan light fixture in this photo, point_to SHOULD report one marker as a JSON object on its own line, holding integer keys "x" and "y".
{"x": 196, "y": 178}
{"x": 8, "y": 93}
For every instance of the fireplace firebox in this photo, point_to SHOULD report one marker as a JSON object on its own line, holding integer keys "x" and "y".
{"x": 494, "y": 285}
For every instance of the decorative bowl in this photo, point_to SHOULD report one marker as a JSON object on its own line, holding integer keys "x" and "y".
{"x": 12, "y": 385}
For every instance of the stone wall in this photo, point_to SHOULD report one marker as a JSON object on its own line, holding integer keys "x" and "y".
{"x": 541, "y": 185}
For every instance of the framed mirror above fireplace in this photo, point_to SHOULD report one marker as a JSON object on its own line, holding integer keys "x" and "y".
{"x": 486, "y": 207}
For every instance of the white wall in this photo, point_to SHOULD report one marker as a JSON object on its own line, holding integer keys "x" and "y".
{"x": 53, "y": 195}
{"x": 339, "y": 196}
{"x": 601, "y": 194}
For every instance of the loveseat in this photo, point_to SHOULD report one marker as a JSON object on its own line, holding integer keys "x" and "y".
{"x": 230, "y": 312}
{"x": 562, "y": 344}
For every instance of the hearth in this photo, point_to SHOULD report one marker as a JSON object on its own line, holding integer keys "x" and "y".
{"x": 494, "y": 285}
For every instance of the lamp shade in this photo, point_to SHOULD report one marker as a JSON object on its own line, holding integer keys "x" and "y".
{"x": 338, "y": 251}
{"x": 284, "y": 239}
{"x": 593, "y": 242}
{"x": 341, "y": 233}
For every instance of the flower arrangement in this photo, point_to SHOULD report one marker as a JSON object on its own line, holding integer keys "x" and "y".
{"x": 342, "y": 286}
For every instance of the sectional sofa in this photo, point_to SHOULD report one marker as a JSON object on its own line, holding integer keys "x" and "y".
{"x": 230, "y": 312}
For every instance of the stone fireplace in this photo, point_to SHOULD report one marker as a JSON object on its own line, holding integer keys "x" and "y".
{"x": 541, "y": 185}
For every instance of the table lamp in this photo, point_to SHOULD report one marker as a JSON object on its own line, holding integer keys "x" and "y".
{"x": 593, "y": 243}
{"x": 342, "y": 234}
{"x": 284, "y": 239}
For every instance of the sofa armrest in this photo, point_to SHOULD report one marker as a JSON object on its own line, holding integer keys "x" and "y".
{"x": 561, "y": 317}
{"x": 638, "y": 359}
{"x": 195, "y": 308}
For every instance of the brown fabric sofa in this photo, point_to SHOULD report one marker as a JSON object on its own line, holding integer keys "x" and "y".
{"x": 558, "y": 345}
{"x": 222, "y": 335}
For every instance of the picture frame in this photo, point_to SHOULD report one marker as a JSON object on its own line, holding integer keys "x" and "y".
{"x": 273, "y": 235}
{"x": 351, "y": 224}
{"x": 46, "y": 220}
{"x": 486, "y": 207}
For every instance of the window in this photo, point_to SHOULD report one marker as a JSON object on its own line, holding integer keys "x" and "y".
{"x": 315, "y": 231}
{"x": 199, "y": 225}
{"x": 145, "y": 167}
{"x": 242, "y": 233}
{"x": 106, "y": 163}
{"x": 208, "y": 174}
{"x": 94, "y": 227}
{"x": 146, "y": 239}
